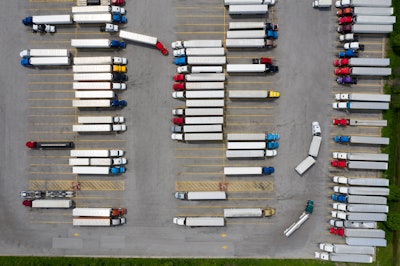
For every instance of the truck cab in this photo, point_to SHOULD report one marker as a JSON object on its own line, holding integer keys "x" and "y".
{"x": 180, "y": 195}
{"x": 108, "y": 27}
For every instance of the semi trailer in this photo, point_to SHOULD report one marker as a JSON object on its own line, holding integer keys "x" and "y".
{"x": 314, "y": 146}
{"x": 198, "y": 111}
{"x": 98, "y": 221}
{"x": 100, "y": 60}
{"x": 97, "y": 161}
{"x": 377, "y": 182}
{"x": 98, "y": 170}
{"x": 199, "y": 221}
{"x": 197, "y": 136}
{"x": 364, "y": 61}
{"x": 247, "y": 9}
{"x": 361, "y": 140}
{"x": 196, "y": 128}
{"x": 364, "y": 71}
{"x": 97, "y": 43}
{"x": 231, "y": 154}
{"x": 304, "y": 165}
{"x": 45, "y": 61}
{"x": 98, "y": 18}
{"x": 360, "y": 207}
{"x": 98, "y": 68}
{"x": 98, "y": 103}
{"x": 359, "y": 199}
{"x": 373, "y": 191}
{"x": 360, "y": 165}
{"x": 203, "y": 195}
{"x": 200, "y": 77}
{"x": 364, "y": 241}
{"x": 98, "y": 86}
{"x": 44, "y": 53}
{"x": 92, "y": 94}
{"x": 367, "y": 3}
{"x": 360, "y": 105}
{"x": 245, "y": 43}
{"x": 338, "y": 257}
{"x": 361, "y": 156}
{"x": 49, "y": 145}
{"x": 196, "y": 44}
{"x": 99, "y": 128}
{"x": 97, "y": 153}
{"x": 198, "y": 86}
{"x": 365, "y": 28}
{"x": 338, "y": 248}
{"x": 375, "y": 20}
{"x": 359, "y": 216}
{"x": 48, "y": 204}
{"x": 303, "y": 217}
{"x": 100, "y": 119}
{"x": 251, "y": 68}
{"x": 248, "y": 212}
{"x": 98, "y": 212}
{"x": 47, "y": 19}
{"x": 247, "y": 145}
{"x": 117, "y": 77}
{"x": 353, "y": 224}
{"x": 256, "y": 170}
{"x": 367, "y": 97}
{"x": 209, "y": 94}
{"x": 199, "y": 120}
{"x": 198, "y": 69}
{"x": 98, "y": 9}
{"x": 205, "y": 103}
{"x": 213, "y": 51}
{"x": 359, "y": 122}
{"x": 253, "y": 94}
{"x": 252, "y": 136}
{"x": 370, "y": 11}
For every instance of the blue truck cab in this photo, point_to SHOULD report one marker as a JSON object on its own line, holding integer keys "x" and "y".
{"x": 341, "y": 139}
{"x": 339, "y": 198}
{"x": 348, "y": 54}
{"x": 119, "y": 18}
{"x": 272, "y": 136}
{"x": 268, "y": 170}
{"x": 117, "y": 44}
{"x": 272, "y": 34}
{"x": 27, "y": 21}
{"x": 272, "y": 145}
{"x": 118, "y": 103}
{"x": 180, "y": 61}
{"x": 117, "y": 170}
{"x": 25, "y": 62}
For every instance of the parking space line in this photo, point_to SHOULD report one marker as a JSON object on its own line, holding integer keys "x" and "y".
{"x": 50, "y": 173}
{"x": 248, "y": 107}
{"x": 199, "y": 32}
{"x": 50, "y": 132}
{"x": 51, "y": 99}
{"x": 200, "y": 16}
{"x": 249, "y": 115}
{"x": 201, "y": 24}
{"x": 54, "y": 91}
{"x": 43, "y": 42}
{"x": 246, "y": 223}
{"x": 43, "y": 9}
{"x": 198, "y": 149}
{"x": 52, "y": 107}
{"x": 86, "y": 185}
{"x": 201, "y": 173}
{"x": 50, "y": 82}
{"x": 49, "y": 115}
{"x": 51, "y": 124}
{"x": 50, "y": 74}
{"x": 216, "y": 207}
{"x": 243, "y": 124}
{"x": 48, "y": 222}
{"x": 199, "y": 157}
{"x": 250, "y": 82}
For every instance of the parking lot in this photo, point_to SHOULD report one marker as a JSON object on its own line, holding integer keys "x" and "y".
{"x": 36, "y": 105}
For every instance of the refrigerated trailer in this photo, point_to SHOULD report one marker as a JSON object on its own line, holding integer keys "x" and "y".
{"x": 98, "y": 221}
{"x": 96, "y": 153}
{"x": 92, "y": 94}
{"x": 98, "y": 86}
{"x": 337, "y": 248}
{"x": 378, "y": 182}
{"x": 246, "y": 25}
{"x": 100, "y": 119}
{"x": 196, "y": 128}
{"x": 376, "y": 20}
{"x": 360, "y": 207}
{"x": 45, "y": 61}
{"x": 256, "y": 170}
{"x": 51, "y": 204}
{"x": 197, "y": 136}
{"x": 361, "y": 140}
{"x": 253, "y": 94}
{"x": 360, "y": 156}
{"x": 367, "y": 97}
{"x": 44, "y": 53}
{"x": 248, "y": 9}
{"x": 304, "y": 165}
{"x": 363, "y": 241}
{"x": 100, "y": 60}
{"x": 198, "y": 111}
{"x": 196, "y": 44}
{"x": 199, "y": 221}
{"x": 203, "y": 195}
{"x": 246, "y": 34}
{"x": 136, "y": 37}
{"x": 209, "y": 94}
{"x": 245, "y": 43}
{"x": 247, "y": 145}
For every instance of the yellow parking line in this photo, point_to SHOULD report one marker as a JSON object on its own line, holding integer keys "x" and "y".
{"x": 250, "y": 123}
{"x": 49, "y": 74}
{"x": 252, "y": 223}
{"x": 201, "y": 173}
{"x": 49, "y": 115}
{"x": 199, "y": 7}
{"x": 199, "y": 157}
{"x": 49, "y": 132}
{"x": 254, "y": 115}
{"x": 249, "y": 107}
{"x": 200, "y": 32}
{"x": 216, "y": 207}
{"x": 51, "y": 99}
{"x": 201, "y": 24}
{"x": 250, "y": 82}
{"x": 51, "y": 124}
{"x": 51, "y": 173}
{"x": 55, "y": 91}
{"x": 200, "y": 16}
{"x": 37, "y": 9}
{"x": 198, "y": 149}
{"x": 50, "y": 82}
{"x": 52, "y": 107}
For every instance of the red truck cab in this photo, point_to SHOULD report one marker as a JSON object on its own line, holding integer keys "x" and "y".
{"x": 345, "y": 20}
{"x": 348, "y": 11}
{"x": 336, "y": 231}
{"x": 118, "y": 212}
{"x": 341, "y": 62}
{"x": 179, "y": 86}
{"x": 161, "y": 48}
{"x": 178, "y": 120}
{"x": 27, "y": 203}
{"x": 262, "y": 60}
{"x": 339, "y": 163}
{"x": 340, "y": 121}
{"x": 342, "y": 71}
{"x": 117, "y": 2}
{"x": 179, "y": 77}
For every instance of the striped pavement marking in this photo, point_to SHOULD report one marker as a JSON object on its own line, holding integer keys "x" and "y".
{"x": 85, "y": 185}
{"x": 234, "y": 186}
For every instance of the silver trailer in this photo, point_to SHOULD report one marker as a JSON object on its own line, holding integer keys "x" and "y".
{"x": 201, "y": 195}
{"x": 136, "y": 37}
{"x": 246, "y": 25}
{"x": 205, "y": 77}
{"x": 314, "y": 146}
{"x": 366, "y": 199}
{"x": 248, "y": 9}
{"x": 206, "y": 60}
{"x": 296, "y": 225}
{"x": 247, "y": 145}
{"x": 365, "y": 61}
{"x": 374, "y": 191}
{"x": 338, "y": 257}
{"x": 302, "y": 167}
{"x": 361, "y": 105}
{"x": 361, "y": 207}
{"x": 199, "y": 221}
{"x": 363, "y": 241}
{"x": 366, "y": 140}
{"x": 250, "y": 153}
{"x": 252, "y": 94}
{"x": 196, "y": 43}
{"x": 337, "y": 248}
{"x": 360, "y": 156}
{"x": 353, "y": 224}
{"x": 373, "y": 233}
{"x": 243, "y": 212}
{"x": 377, "y": 182}
{"x": 204, "y": 85}
{"x": 245, "y": 34}
{"x": 245, "y": 43}
{"x": 377, "y": 20}
{"x": 373, "y": 11}
{"x": 209, "y": 94}
{"x": 363, "y": 122}
{"x": 371, "y": 28}
{"x": 205, "y": 103}
{"x": 371, "y": 71}
{"x": 246, "y": 137}
{"x": 367, "y": 165}
{"x": 198, "y": 111}
{"x": 369, "y": 3}
{"x": 360, "y": 216}
{"x": 197, "y": 136}
{"x": 197, "y": 128}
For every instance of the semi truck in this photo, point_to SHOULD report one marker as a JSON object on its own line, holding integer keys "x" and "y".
{"x": 373, "y": 191}
{"x": 359, "y": 199}
{"x": 368, "y": 97}
{"x": 256, "y": 170}
{"x": 338, "y": 257}
{"x": 98, "y": 212}
{"x": 200, "y": 77}
{"x": 253, "y": 94}
{"x": 205, "y": 103}
{"x": 303, "y": 217}
{"x": 359, "y": 122}
{"x": 45, "y": 61}
{"x": 118, "y": 77}
{"x": 100, "y": 119}
{"x": 98, "y": 9}
{"x": 304, "y": 165}
{"x": 92, "y": 94}
{"x": 314, "y": 146}
{"x": 97, "y": 153}
{"x": 245, "y": 43}
{"x": 98, "y": 221}
{"x": 198, "y": 111}
{"x": 364, "y": 71}
{"x": 364, "y": 61}
{"x": 210, "y": 94}
{"x": 48, "y": 203}
{"x": 197, "y": 136}
{"x": 363, "y": 241}
{"x": 98, "y": 68}
{"x": 98, "y": 170}
{"x": 203, "y": 195}
{"x": 99, "y": 18}
{"x": 251, "y": 68}
{"x": 365, "y": 28}
{"x": 360, "y": 165}
{"x": 321, "y": 3}
{"x": 360, "y": 207}
{"x": 97, "y": 161}
{"x": 348, "y": 37}
{"x": 49, "y": 145}
{"x": 196, "y": 128}
{"x": 98, "y": 86}
{"x": 144, "y": 39}
{"x": 247, "y": 145}
{"x": 196, "y": 44}
{"x": 97, "y": 43}
{"x": 198, "y": 86}
{"x": 377, "y": 182}
{"x": 361, "y": 140}
{"x": 248, "y": 212}
{"x": 251, "y": 34}
{"x": 367, "y": 3}
{"x": 100, "y": 60}
{"x": 337, "y": 248}
{"x": 200, "y": 120}
{"x": 360, "y": 105}
{"x": 99, "y": 128}
{"x": 383, "y": 157}
{"x": 214, "y": 51}
{"x": 375, "y": 20}
{"x": 247, "y": 9}
{"x": 359, "y": 216}
{"x": 199, "y": 221}
{"x": 252, "y": 136}
{"x": 44, "y": 53}
{"x": 353, "y": 224}
{"x": 249, "y": 2}
{"x": 231, "y": 154}
{"x": 98, "y": 103}
{"x": 100, "y": 2}
{"x": 198, "y": 69}
{"x": 48, "y": 19}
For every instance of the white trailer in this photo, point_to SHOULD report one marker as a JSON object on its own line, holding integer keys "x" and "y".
{"x": 197, "y": 128}
{"x": 362, "y": 140}
{"x": 363, "y": 241}
{"x": 211, "y": 94}
{"x": 204, "y": 85}
{"x": 205, "y": 77}
{"x": 321, "y": 3}
{"x": 52, "y": 19}
{"x": 383, "y": 157}
{"x": 98, "y": 221}
{"x": 206, "y": 60}
{"x": 374, "y": 191}
{"x": 246, "y": 68}
{"x": 250, "y": 153}
{"x": 79, "y": 161}
{"x": 377, "y": 182}
{"x": 206, "y": 195}
{"x": 243, "y": 212}
{"x": 362, "y": 258}
{"x": 92, "y": 212}
{"x": 376, "y": 20}
{"x": 296, "y": 225}
{"x": 352, "y": 224}
{"x": 92, "y": 94}
{"x": 366, "y": 199}
{"x": 337, "y": 248}
{"x": 248, "y": 9}
{"x": 359, "y": 216}
{"x": 205, "y": 103}
{"x": 136, "y": 37}
{"x": 362, "y": 122}
{"x": 364, "y": 61}
{"x": 46, "y": 61}
{"x": 91, "y": 103}
{"x": 93, "y": 18}
{"x": 52, "y": 204}
{"x": 197, "y": 136}
{"x": 364, "y": 28}
{"x": 245, "y": 43}
{"x": 368, "y": 3}
{"x": 252, "y": 94}
{"x": 196, "y": 43}
{"x": 314, "y": 146}
{"x": 367, "y": 97}
{"x": 99, "y": 128}
{"x": 199, "y": 69}
{"x": 100, "y": 60}
{"x": 236, "y": 170}
{"x": 96, "y": 153}
{"x": 246, "y": 25}
{"x": 198, "y": 111}
{"x": 246, "y": 34}
{"x": 199, "y": 221}
{"x": 361, "y": 105}
{"x": 98, "y": 86}
{"x": 249, "y": 2}
{"x": 247, "y": 145}
{"x": 92, "y": 68}
{"x": 100, "y": 119}
{"x": 93, "y": 77}
{"x": 246, "y": 137}
{"x": 96, "y": 43}
{"x": 97, "y": 161}
{"x": 360, "y": 207}
{"x": 203, "y": 120}
{"x": 214, "y": 51}
{"x": 304, "y": 165}
{"x": 44, "y": 52}
{"x": 373, "y": 11}
{"x": 98, "y": 9}
{"x": 371, "y": 71}
{"x": 96, "y": 170}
